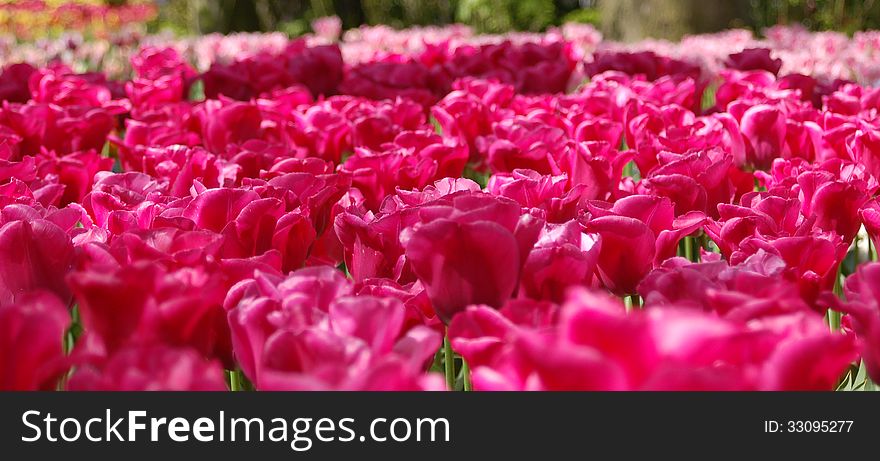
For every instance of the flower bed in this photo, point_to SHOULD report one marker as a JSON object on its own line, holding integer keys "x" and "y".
{"x": 569, "y": 214}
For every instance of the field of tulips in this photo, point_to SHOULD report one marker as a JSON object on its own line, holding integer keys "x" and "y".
{"x": 429, "y": 209}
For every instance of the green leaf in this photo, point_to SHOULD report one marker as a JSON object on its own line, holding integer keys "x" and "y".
{"x": 436, "y": 125}
{"x": 74, "y": 331}
{"x": 846, "y": 383}
{"x": 478, "y": 177}
{"x": 344, "y": 268}
{"x": 631, "y": 170}
{"x": 709, "y": 98}
{"x": 197, "y": 91}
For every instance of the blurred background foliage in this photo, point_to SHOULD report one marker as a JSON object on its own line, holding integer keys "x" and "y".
{"x": 618, "y": 19}
{"x": 622, "y": 19}
{"x": 843, "y": 15}
{"x": 34, "y": 19}
{"x": 294, "y": 16}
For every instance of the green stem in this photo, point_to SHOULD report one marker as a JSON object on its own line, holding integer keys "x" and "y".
{"x": 234, "y": 384}
{"x": 72, "y": 332}
{"x": 833, "y": 319}
{"x": 635, "y": 301}
{"x": 689, "y": 249}
{"x": 857, "y": 253}
{"x": 834, "y": 316}
{"x": 68, "y": 343}
{"x": 838, "y": 286}
{"x": 872, "y": 252}
{"x": 244, "y": 383}
{"x": 466, "y": 376}
{"x": 449, "y": 362}
{"x": 627, "y": 170}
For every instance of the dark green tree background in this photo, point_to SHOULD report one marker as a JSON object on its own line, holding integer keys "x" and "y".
{"x": 619, "y": 19}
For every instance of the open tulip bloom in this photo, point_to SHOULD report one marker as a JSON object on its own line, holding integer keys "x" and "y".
{"x": 415, "y": 210}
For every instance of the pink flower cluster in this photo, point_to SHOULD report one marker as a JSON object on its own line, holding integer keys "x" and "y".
{"x": 317, "y": 223}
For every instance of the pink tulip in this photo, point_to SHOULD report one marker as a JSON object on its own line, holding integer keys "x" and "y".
{"x": 470, "y": 250}
{"x": 863, "y": 306}
{"x": 552, "y": 194}
{"x": 638, "y": 232}
{"x": 862, "y": 147}
{"x": 756, "y": 288}
{"x": 764, "y": 129}
{"x": 596, "y": 167}
{"x": 521, "y": 143}
{"x": 412, "y": 161}
{"x": 14, "y": 82}
{"x": 35, "y": 254}
{"x": 651, "y": 130}
{"x": 372, "y": 244}
{"x": 563, "y": 256}
{"x": 531, "y": 68}
{"x": 31, "y": 334}
{"x": 595, "y": 345}
{"x": 870, "y": 216}
{"x": 645, "y": 63}
{"x": 697, "y": 180}
{"x": 75, "y": 171}
{"x": 224, "y": 124}
{"x": 173, "y": 293}
{"x": 376, "y": 123}
{"x": 149, "y": 368}
{"x": 318, "y": 68}
{"x": 151, "y": 63}
{"x": 754, "y": 59}
{"x": 391, "y": 79}
{"x": 307, "y": 332}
